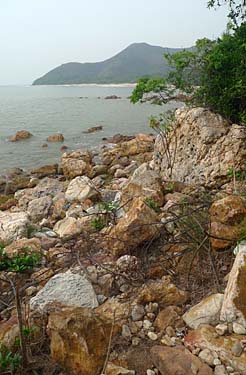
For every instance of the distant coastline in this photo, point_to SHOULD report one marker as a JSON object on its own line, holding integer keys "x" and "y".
{"x": 93, "y": 85}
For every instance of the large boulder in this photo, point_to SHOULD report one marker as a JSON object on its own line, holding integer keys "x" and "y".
{"x": 178, "y": 361}
{"x": 226, "y": 217}
{"x": 234, "y": 307}
{"x": 13, "y": 226}
{"x": 207, "y": 338}
{"x": 202, "y": 147}
{"x": 205, "y": 312}
{"x": 136, "y": 227}
{"x": 77, "y": 163}
{"x": 79, "y": 340}
{"x": 67, "y": 288}
{"x": 80, "y": 189}
{"x": 146, "y": 183}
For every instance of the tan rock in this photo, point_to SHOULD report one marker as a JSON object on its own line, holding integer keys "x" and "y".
{"x": 9, "y": 331}
{"x": 137, "y": 226}
{"x": 77, "y": 163}
{"x": 56, "y": 138}
{"x": 20, "y": 135}
{"x": 22, "y": 246}
{"x": 140, "y": 148}
{"x": 143, "y": 183}
{"x": 170, "y": 316}
{"x": 117, "y": 370}
{"x": 161, "y": 291}
{"x": 203, "y": 146}
{"x": 79, "y": 340}
{"x": 39, "y": 208}
{"x": 207, "y": 338}
{"x": 205, "y": 312}
{"x": 93, "y": 129}
{"x": 114, "y": 310}
{"x": 68, "y": 227}
{"x": 234, "y": 307}
{"x": 226, "y": 216}
{"x": 172, "y": 361}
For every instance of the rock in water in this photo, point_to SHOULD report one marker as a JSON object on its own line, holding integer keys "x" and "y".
{"x": 20, "y": 135}
{"x": 67, "y": 288}
{"x": 56, "y": 138}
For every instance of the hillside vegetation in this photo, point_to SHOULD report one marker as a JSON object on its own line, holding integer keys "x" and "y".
{"x": 134, "y": 62}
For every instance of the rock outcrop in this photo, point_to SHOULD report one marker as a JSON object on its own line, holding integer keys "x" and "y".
{"x": 202, "y": 147}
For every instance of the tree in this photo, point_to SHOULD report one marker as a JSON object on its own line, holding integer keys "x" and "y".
{"x": 237, "y": 8}
{"x": 213, "y": 75}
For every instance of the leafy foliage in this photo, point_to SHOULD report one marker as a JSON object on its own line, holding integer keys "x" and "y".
{"x": 98, "y": 223}
{"x": 9, "y": 361}
{"x": 151, "y": 203}
{"x": 213, "y": 74}
{"x": 237, "y": 8}
{"x": 18, "y": 263}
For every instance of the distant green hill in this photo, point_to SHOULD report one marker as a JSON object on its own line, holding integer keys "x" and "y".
{"x": 134, "y": 62}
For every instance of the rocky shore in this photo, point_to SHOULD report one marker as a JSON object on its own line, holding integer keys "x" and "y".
{"x": 142, "y": 255}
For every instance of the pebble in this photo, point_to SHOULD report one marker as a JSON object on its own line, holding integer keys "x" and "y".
{"x": 221, "y": 329}
{"x": 151, "y": 307}
{"x": 217, "y": 361}
{"x": 196, "y": 351}
{"x": 126, "y": 331}
{"x": 150, "y": 372}
{"x": 220, "y": 370}
{"x": 229, "y": 369}
{"x": 137, "y": 313}
{"x": 152, "y": 336}
{"x": 207, "y": 356}
{"x": 136, "y": 341}
{"x": 237, "y": 349}
{"x": 238, "y": 328}
{"x": 147, "y": 324}
{"x": 170, "y": 331}
{"x": 166, "y": 340}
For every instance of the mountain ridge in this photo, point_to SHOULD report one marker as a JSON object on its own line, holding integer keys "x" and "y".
{"x": 130, "y": 64}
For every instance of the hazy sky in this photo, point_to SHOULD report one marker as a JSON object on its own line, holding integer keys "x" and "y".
{"x": 38, "y": 35}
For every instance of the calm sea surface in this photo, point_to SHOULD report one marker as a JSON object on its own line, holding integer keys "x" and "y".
{"x": 44, "y": 110}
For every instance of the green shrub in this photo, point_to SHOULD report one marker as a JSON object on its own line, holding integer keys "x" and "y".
{"x": 9, "y": 361}
{"x": 18, "y": 263}
{"x": 98, "y": 223}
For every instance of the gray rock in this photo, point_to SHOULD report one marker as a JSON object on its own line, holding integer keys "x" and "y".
{"x": 67, "y": 288}
{"x": 137, "y": 313}
{"x": 39, "y": 208}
